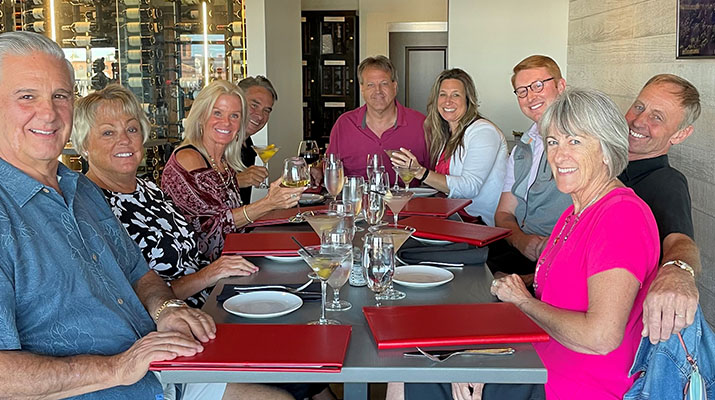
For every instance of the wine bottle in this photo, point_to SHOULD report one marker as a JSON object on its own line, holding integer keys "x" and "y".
{"x": 138, "y": 40}
{"x": 139, "y": 13}
{"x": 137, "y": 82}
{"x": 136, "y": 27}
{"x": 34, "y": 27}
{"x": 140, "y": 68}
{"x": 234, "y": 27}
{"x": 37, "y": 13}
{"x": 186, "y": 27}
{"x": 191, "y": 14}
{"x": 83, "y": 41}
{"x": 139, "y": 54}
{"x": 80, "y": 27}
{"x": 136, "y": 2}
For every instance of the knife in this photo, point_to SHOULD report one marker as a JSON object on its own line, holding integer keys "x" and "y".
{"x": 487, "y": 351}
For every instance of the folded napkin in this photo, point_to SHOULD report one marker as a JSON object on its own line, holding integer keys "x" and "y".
{"x": 412, "y": 252}
{"x": 311, "y": 293}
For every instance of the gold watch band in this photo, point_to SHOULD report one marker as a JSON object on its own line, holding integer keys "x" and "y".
{"x": 682, "y": 265}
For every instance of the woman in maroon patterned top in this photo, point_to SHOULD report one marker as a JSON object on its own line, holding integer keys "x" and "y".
{"x": 201, "y": 175}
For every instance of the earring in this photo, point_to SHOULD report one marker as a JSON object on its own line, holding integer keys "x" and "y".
{"x": 605, "y": 161}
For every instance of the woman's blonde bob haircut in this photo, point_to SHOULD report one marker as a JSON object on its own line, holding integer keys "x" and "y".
{"x": 199, "y": 114}
{"x": 85, "y": 113}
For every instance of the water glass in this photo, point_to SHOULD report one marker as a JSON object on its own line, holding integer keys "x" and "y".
{"x": 378, "y": 259}
{"x": 345, "y": 211}
{"x": 353, "y": 190}
{"x": 341, "y": 239}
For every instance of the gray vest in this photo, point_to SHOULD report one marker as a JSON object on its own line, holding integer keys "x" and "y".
{"x": 538, "y": 212}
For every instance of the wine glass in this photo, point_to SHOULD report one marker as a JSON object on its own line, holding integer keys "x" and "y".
{"x": 373, "y": 162}
{"x": 265, "y": 153}
{"x": 323, "y": 260}
{"x": 333, "y": 177}
{"x": 396, "y": 199}
{"x": 374, "y": 203}
{"x": 309, "y": 150}
{"x": 339, "y": 237}
{"x": 399, "y": 235}
{"x": 353, "y": 190}
{"x": 347, "y": 216}
{"x": 295, "y": 174}
{"x": 378, "y": 259}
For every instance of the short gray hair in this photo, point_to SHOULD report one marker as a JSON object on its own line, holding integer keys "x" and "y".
{"x": 200, "y": 110}
{"x": 687, "y": 94}
{"x": 379, "y": 62}
{"x": 85, "y": 113}
{"x": 589, "y": 112}
{"x": 24, "y": 43}
{"x": 260, "y": 81}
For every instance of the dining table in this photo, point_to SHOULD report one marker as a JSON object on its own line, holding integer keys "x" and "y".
{"x": 363, "y": 362}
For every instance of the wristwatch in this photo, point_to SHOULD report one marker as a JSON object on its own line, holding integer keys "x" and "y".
{"x": 682, "y": 265}
{"x": 172, "y": 303}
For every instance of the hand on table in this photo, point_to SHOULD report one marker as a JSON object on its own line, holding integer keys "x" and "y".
{"x": 510, "y": 289}
{"x": 133, "y": 364}
{"x": 251, "y": 176}
{"x": 670, "y": 305}
{"x": 226, "y": 266}
{"x": 188, "y": 321}
{"x": 467, "y": 391}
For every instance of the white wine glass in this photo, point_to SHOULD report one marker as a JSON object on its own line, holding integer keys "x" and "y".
{"x": 333, "y": 177}
{"x": 309, "y": 150}
{"x": 378, "y": 259}
{"x": 295, "y": 174}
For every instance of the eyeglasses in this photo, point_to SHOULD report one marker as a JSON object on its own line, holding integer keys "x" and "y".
{"x": 535, "y": 86}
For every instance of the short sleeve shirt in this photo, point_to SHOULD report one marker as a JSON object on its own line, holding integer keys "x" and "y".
{"x": 665, "y": 190}
{"x": 67, "y": 267}
{"x": 353, "y": 140}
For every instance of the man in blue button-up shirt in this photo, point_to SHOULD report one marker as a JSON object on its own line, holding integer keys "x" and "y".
{"x": 76, "y": 297}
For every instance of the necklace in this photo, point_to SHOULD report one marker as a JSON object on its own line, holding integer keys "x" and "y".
{"x": 557, "y": 240}
{"x": 226, "y": 183}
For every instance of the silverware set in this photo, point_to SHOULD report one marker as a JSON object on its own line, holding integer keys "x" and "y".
{"x": 442, "y": 355}
{"x": 274, "y": 287}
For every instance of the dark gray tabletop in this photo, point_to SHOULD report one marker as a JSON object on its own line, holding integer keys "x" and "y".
{"x": 363, "y": 362}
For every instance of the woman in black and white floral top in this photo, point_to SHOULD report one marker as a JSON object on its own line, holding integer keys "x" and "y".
{"x": 109, "y": 131}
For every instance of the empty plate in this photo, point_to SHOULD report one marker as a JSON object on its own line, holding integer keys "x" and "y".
{"x": 284, "y": 259}
{"x": 423, "y": 191}
{"x": 310, "y": 198}
{"x": 421, "y": 276}
{"x": 431, "y": 241}
{"x": 262, "y": 304}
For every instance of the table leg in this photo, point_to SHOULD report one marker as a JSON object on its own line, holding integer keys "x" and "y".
{"x": 355, "y": 391}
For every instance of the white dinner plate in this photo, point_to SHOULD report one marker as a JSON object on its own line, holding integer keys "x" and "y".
{"x": 421, "y": 276}
{"x": 436, "y": 242}
{"x": 423, "y": 191}
{"x": 310, "y": 198}
{"x": 284, "y": 259}
{"x": 262, "y": 304}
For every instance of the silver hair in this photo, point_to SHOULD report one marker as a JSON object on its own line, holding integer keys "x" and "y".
{"x": 260, "y": 81}
{"x": 200, "y": 110}
{"x": 23, "y": 43}
{"x": 85, "y": 113}
{"x": 589, "y": 112}
{"x": 380, "y": 62}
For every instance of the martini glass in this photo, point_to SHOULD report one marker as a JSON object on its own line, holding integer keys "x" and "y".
{"x": 265, "y": 153}
{"x": 399, "y": 235}
{"x": 389, "y": 154}
{"x": 322, "y": 221}
{"x": 396, "y": 199}
{"x": 406, "y": 174}
{"x": 323, "y": 260}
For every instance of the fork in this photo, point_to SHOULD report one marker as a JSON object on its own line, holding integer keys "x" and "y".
{"x": 281, "y": 287}
{"x": 485, "y": 352}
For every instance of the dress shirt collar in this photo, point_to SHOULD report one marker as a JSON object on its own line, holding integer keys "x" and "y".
{"x": 22, "y": 187}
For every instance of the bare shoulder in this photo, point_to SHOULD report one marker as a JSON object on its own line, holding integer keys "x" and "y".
{"x": 190, "y": 158}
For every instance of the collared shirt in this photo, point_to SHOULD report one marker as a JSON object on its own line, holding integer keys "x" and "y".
{"x": 665, "y": 190}
{"x": 353, "y": 140}
{"x": 537, "y": 149}
{"x": 67, "y": 267}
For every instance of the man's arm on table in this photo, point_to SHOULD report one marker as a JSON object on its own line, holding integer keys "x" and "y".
{"x": 672, "y": 299}
{"x": 529, "y": 245}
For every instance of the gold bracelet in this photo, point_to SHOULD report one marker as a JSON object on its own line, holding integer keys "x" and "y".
{"x": 245, "y": 214}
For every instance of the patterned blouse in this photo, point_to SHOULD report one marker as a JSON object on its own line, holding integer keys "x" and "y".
{"x": 162, "y": 233}
{"x": 206, "y": 199}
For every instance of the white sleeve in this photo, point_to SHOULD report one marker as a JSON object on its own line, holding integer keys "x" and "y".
{"x": 509, "y": 177}
{"x": 479, "y": 157}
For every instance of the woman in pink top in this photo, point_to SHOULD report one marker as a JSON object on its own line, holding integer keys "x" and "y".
{"x": 601, "y": 257}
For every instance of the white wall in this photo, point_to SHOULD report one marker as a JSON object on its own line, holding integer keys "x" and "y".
{"x": 273, "y": 39}
{"x": 487, "y": 38}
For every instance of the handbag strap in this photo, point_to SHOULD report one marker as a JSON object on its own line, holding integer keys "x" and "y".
{"x": 690, "y": 358}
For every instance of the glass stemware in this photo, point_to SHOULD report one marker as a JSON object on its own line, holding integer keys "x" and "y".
{"x": 265, "y": 153}
{"x": 295, "y": 174}
{"x": 396, "y": 199}
{"x": 309, "y": 150}
{"x": 323, "y": 260}
{"x": 347, "y": 216}
{"x": 333, "y": 177}
{"x": 373, "y": 162}
{"x": 374, "y": 203}
{"x": 353, "y": 190}
{"x": 322, "y": 220}
{"x": 342, "y": 238}
{"x": 399, "y": 235}
{"x": 378, "y": 259}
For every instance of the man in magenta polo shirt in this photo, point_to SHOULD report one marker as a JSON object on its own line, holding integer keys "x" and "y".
{"x": 381, "y": 124}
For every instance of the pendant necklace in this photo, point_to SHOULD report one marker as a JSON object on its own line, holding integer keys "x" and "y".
{"x": 557, "y": 239}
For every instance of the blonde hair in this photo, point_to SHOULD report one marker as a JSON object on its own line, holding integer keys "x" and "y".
{"x": 200, "y": 110}
{"x": 537, "y": 61}
{"x": 85, "y": 113}
{"x": 686, "y": 93}
{"x": 437, "y": 134}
